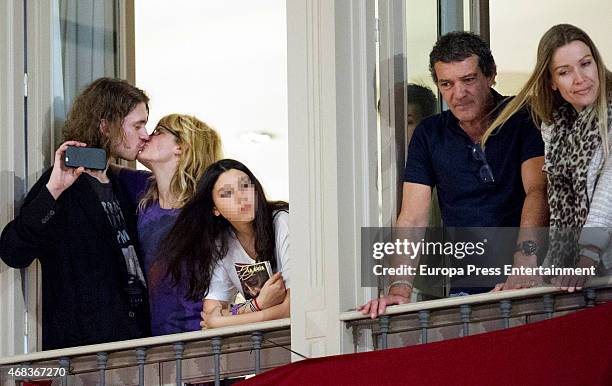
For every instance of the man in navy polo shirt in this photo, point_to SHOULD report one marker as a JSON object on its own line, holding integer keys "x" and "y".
{"x": 500, "y": 186}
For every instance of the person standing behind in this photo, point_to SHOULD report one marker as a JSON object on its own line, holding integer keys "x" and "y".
{"x": 179, "y": 150}
{"x": 501, "y": 185}
{"x": 81, "y": 227}
{"x": 570, "y": 94}
{"x": 420, "y": 103}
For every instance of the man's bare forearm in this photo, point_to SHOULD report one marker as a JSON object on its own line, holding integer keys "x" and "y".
{"x": 534, "y": 217}
{"x": 412, "y": 230}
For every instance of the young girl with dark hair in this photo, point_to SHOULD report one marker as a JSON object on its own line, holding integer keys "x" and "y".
{"x": 230, "y": 221}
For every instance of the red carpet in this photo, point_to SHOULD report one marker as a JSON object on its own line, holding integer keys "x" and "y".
{"x": 575, "y": 349}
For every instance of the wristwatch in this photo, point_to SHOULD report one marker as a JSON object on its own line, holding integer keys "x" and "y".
{"x": 527, "y": 248}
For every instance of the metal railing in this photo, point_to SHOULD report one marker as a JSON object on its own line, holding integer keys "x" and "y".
{"x": 249, "y": 349}
{"x": 196, "y": 356}
{"x": 426, "y": 321}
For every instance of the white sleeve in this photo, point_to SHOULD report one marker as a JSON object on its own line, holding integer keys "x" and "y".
{"x": 282, "y": 246}
{"x": 221, "y": 287}
{"x": 546, "y": 131}
{"x": 597, "y": 229}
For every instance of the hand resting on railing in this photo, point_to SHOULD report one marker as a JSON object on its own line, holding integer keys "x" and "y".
{"x": 218, "y": 314}
{"x": 398, "y": 294}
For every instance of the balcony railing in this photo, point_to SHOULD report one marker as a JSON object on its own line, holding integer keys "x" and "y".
{"x": 435, "y": 320}
{"x": 191, "y": 357}
{"x": 216, "y": 354}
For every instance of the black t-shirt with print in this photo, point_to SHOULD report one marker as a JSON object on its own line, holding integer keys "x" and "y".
{"x": 136, "y": 281}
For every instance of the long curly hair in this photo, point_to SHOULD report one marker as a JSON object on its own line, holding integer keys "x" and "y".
{"x": 106, "y": 99}
{"x": 199, "y": 239}
{"x": 200, "y": 147}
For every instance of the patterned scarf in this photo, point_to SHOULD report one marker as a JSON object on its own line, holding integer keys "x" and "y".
{"x": 573, "y": 143}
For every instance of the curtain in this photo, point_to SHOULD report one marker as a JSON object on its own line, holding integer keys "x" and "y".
{"x": 85, "y": 48}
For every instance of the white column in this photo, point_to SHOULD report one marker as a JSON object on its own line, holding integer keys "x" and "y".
{"x": 12, "y": 166}
{"x": 126, "y": 44}
{"x": 332, "y": 158}
{"x": 40, "y": 135}
{"x": 40, "y": 82}
{"x": 24, "y": 154}
{"x": 393, "y": 77}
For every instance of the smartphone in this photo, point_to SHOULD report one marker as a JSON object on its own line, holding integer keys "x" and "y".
{"x": 87, "y": 157}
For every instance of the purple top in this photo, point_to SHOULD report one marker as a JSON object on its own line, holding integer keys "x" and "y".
{"x": 170, "y": 312}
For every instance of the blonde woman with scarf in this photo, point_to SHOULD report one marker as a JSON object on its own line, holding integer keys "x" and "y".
{"x": 570, "y": 97}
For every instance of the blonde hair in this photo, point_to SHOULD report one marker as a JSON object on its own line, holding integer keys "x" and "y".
{"x": 200, "y": 147}
{"x": 538, "y": 94}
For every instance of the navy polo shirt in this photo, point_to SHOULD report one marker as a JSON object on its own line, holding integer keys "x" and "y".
{"x": 440, "y": 155}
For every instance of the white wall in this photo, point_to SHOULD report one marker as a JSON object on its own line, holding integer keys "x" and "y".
{"x": 421, "y": 35}
{"x": 226, "y": 63}
{"x": 518, "y": 25}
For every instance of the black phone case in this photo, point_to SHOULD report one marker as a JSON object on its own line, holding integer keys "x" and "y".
{"x": 88, "y": 157}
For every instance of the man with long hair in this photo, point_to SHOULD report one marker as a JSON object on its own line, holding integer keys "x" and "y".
{"x": 82, "y": 228}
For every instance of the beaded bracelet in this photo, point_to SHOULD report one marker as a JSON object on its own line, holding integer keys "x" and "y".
{"x": 234, "y": 308}
{"x": 252, "y": 303}
{"x": 252, "y": 306}
{"x": 256, "y": 305}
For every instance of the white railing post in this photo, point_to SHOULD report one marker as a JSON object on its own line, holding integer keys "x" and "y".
{"x": 549, "y": 305}
{"x": 257, "y": 338}
{"x": 140, "y": 359}
{"x": 466, "y": 311}
{"x": 384, "y": 323}
{"x": 216, "y": 349}
{"x": 64, "y": 363}
{"x": 424, "y": 323}
{"x": 589, "y": 297}
{"x": 179, "y": 347}
{"x": 505, "y": 307}
{"x": 102, "y": 359}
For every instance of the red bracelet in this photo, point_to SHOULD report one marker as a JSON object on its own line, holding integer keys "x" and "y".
{"x": 256, "y": 305}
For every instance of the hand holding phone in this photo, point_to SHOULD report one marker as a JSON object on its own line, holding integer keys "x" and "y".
{"x": 88, "y": 157}
{"x": 62, "y": 176}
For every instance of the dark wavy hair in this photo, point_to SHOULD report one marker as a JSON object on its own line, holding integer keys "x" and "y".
{"x": 105, "y": 98}
{"x": 459, "y": 45}
{"x": 199, "y": 239}
{"x": 423, "y": 98}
